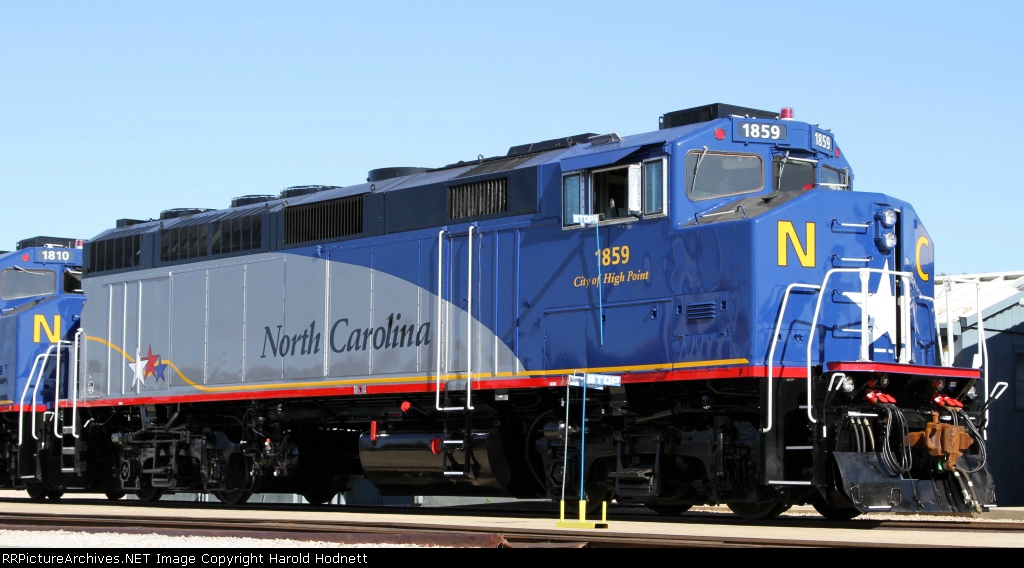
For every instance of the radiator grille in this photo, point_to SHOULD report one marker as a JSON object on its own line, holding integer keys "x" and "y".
{"x": 485, "y": 197}
{"x": 114, "y": 253}
{"x": 323, "y": 220}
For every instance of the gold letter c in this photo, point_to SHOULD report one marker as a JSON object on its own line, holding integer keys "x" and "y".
{"x": 921, "y": 242}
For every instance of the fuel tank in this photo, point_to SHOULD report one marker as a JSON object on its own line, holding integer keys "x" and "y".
{"x": 416, "y": 462}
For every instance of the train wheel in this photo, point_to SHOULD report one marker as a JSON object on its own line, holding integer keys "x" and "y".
{"x": 669, "y": 510}
{"x": 834, "y": 513}
{"x": 114, "y": 495}
{"x": 149, "y": 494}
{"x": 319, "y": 489}
{"x": 233, "y": 497}
{"x": 239, "y": 479}
{"x": 759, "y": 511}
{"x": 36, "y": 492}
{"x": 54, "y": 494}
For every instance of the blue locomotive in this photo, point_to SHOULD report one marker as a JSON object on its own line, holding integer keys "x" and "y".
{"x": 702, "y": 314}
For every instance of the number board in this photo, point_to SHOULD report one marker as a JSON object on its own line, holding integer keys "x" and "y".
{"x": 48, "y": 255}
{"x": 822, "y": 141}
{"x": 758, "y": 131}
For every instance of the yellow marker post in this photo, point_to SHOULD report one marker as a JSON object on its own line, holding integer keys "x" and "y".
{"x": 582, "y": 523}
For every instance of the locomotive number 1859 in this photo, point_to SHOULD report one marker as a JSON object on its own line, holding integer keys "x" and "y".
{"x": 767, "y": 131}
{"x": 822, "y": 140}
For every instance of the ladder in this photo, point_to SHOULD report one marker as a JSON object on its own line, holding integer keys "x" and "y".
{"x": 457, "y": 450}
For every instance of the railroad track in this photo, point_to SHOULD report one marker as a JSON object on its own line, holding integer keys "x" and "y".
{"x": 495, "y": 528}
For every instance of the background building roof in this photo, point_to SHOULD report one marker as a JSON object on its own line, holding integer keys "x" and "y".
{"x": 966, "y": 291}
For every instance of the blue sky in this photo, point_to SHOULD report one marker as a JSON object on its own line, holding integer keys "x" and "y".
{"x": 114, "y": 110}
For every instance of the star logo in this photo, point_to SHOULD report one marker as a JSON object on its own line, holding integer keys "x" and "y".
{"x": 148, "y": 366}
{"x": 881, "y": 308}
{"x": 151, "y": 361}
{"x": 139, "y": 377}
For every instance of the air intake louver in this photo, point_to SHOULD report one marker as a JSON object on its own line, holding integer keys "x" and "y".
{"x": 700, "y": 310}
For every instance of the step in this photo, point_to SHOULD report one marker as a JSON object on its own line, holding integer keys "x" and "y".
{"x": 634, "y": 473}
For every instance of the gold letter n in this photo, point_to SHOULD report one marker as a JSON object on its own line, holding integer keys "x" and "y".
{"x": 788, "y": 233}
{"x": 39, "y": 323}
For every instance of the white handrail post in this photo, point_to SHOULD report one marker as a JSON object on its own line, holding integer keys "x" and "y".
{"x": 35, "y": 390}
{"x": 906, "y": 346}
{"x": 74, "y": 398}
{"x": 865, "y": 328}
{"x": 949, "y": 323}
{"x": 56, "y": 391}
{"x": 24, "y": 393}
{"x": 440, "y": 295}
{"x": 775, "y": 340}
{"x": 469, "y": 320}
{"x": 982, "y": 348}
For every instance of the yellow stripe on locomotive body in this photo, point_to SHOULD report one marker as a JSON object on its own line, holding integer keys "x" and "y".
{"x": 702, "y": 313}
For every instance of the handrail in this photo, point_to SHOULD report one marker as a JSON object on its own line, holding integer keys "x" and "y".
{"x": 865, "y": 259}
{"x": 446, "y": 329}
{"x": 982, "y": 348}
{"x": 775, "y": 341}
{"x": 837, "y": 223}
{"x": 75, "y": 377}
{"x": 440, "y": 300}
{"x": 24, "y": 392}
{"x": 982, "y": 340}
{"x": 469, "y": 321}
{"x": 738, "y": 209}
{"x": 56, "y": 391}
{"x": 938, "y": 333}
{"x": 863, "y": 273}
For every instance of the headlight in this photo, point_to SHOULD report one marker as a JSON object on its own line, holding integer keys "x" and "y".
{"x": 972, "y": 393}
{"x": 886, "y": 241}
{"x": 848, "y": 385}
{"x": 887, "y": 217}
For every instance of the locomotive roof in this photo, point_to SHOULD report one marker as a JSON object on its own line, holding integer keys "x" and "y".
{"x": 191, "y": 233}
{"x": 586, "y": 154}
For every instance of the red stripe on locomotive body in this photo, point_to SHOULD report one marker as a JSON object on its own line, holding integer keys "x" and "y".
{"x": 23, "y": 408}
{"x": 551, "y": 381}
{"x": 902, "y": 369}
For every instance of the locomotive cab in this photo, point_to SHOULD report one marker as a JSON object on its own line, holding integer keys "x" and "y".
{"x": 40, "y": 302}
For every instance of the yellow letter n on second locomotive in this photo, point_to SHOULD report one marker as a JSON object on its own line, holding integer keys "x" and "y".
{"x": 39, "y": 324}
{"x": 788, "y": 233}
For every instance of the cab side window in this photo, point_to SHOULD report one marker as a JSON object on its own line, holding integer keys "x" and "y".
{"x": 832, "y": 178}
{"x": 72, "y": 281}
{"x": 715, "y": 174}
{"x": 18, "y": 283}
{"x": 616, "y": 194}
{"x": 792, "y": 174}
